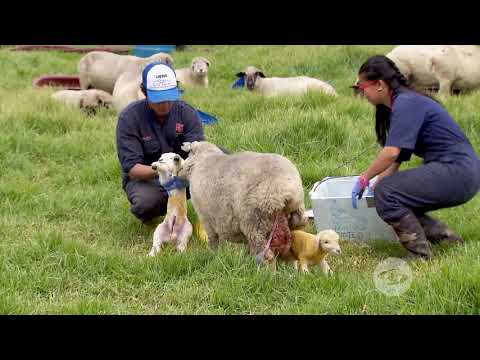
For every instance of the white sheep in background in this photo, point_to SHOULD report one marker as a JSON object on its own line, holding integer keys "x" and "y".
{"x": 196, "y": 75}
{"x": 127, "y": 90}
{"x": 255, "y": 80}
{"x": 443, "y": 67}
{"x": 101, "y": 69}
{"x": 84, "y": 99}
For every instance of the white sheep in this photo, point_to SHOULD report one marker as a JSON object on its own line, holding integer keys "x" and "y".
{"x": 443, "y": 67}
{"x": 127, "y": 90}
{"x": 196, "y": 75}
{"x": 84, "y": 99}
{"x": 255, "y": 80}
{"x": 101, "y": 69}
{"x": 245, "y": 197}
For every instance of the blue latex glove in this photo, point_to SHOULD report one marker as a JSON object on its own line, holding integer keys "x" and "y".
{"x": 358, "y": 189}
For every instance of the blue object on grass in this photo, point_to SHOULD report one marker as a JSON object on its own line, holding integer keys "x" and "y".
{"x": 148, "y": 50}
{"x": 206, "y": 118}
{"x": 240, "y": 83}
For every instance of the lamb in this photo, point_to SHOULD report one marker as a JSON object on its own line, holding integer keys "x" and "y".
{"x": 127, "y": 90}
{"x": 101, "y": 69}
{"x": 308, "y": 249}
{"x": 84, "y": 99}
{"x": 241, "y": 197}
{"x": 196, "y": 75}
{"x": 448, "y": 68}
{"x": 256, "y": 80}
{"x": 175, "y": 227}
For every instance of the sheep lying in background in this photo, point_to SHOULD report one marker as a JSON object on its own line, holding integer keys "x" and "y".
{"x": 447, "y": 68}
{"x": 101, "y": 69}
{"x": 196, "y": 75}
{"x": 242, "y": 197}
{"x": 84, "y": 99}
{"x": 127, "y": 89}
{"x": 255, "y": 80}
{"x": 308, "y": 249}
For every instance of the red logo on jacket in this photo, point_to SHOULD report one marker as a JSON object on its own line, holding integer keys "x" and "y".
{"x": 179, "y": 128}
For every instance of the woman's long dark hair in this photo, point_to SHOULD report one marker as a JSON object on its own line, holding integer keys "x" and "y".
{"x": 380, "y": 67}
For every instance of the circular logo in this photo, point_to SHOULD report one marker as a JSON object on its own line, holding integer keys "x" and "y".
{"x": 392, "y": 277}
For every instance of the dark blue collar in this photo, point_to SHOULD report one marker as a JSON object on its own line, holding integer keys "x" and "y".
{"x": 175, "y": 184}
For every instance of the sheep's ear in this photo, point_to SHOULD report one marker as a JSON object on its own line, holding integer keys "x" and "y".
{"x": 240, "y": 74}
{"x": 187, "y": 146}
{"x": 208, "y": 62}
{"x": 259, "y": 73}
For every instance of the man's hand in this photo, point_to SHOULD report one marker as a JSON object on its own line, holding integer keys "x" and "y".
{"x": 142, "y": 172}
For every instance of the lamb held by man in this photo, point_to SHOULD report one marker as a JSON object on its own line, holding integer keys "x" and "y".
{"x": 175, "y": 228}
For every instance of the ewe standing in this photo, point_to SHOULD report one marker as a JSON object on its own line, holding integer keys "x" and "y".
{"x": 101, "y": 69}
{"x": 245, "y": 197}
{"x": 442, "y": 67}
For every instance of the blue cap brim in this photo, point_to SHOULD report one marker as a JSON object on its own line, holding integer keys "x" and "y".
{"x": 163, "y": 95}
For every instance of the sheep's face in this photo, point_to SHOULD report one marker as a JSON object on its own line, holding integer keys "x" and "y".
{"x": 251, "y": 74}
{"x": 162, "y": 57}
{"x": 200, "y": 66}
{"x": 328, "y": 242}
{"x": 167, "y": 166}
{"x": 103, "y": 99}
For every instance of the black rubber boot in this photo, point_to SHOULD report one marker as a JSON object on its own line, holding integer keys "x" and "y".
{"x": 438, "y": 232}
{"x": 412, "y": 236}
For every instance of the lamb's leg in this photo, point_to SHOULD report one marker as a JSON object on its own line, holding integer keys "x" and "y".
{"x": 184, "y": 235}
{"x": 303, "y": 264}
{"x": 295, "y": 264}
{"x": 325, "y": 267}
{"x": 160, "y": 236}
{"x": 213, "y": 239}
{"x": 445, "y": 86}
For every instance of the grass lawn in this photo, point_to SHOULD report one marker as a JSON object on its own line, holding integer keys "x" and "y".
{"x": 69, "y": 244}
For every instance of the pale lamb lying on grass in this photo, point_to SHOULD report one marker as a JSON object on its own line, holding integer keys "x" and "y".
{"x": 447, "y": 68}
{"x": 242, "y": 197}
{"x": 101, "y": 69}
{"x": 196, "y": 75}
{"x": 255, "y": 80}
{"x": 84, "y": 99}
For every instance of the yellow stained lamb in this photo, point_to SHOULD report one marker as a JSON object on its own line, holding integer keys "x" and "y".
{"x": 309, "y": 249}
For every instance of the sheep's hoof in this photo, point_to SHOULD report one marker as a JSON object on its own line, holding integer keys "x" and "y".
{"x": 153, "y": 252}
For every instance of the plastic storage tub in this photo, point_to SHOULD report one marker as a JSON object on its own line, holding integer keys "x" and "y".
{"x": 149, "y": 50}
{"x": 332, "y": 209}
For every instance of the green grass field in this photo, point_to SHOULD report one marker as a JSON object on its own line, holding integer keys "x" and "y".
{"x": 69, "y": 244}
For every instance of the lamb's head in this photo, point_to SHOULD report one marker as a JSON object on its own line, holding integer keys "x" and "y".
{"x": 250, "y": 75}
{"x": 328, "y": 241}
{"x": 162, "y": 57}
{"x": 103, "y": 98}
{"x": 168, "y": 166}
{"x": 200, "y": 66}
